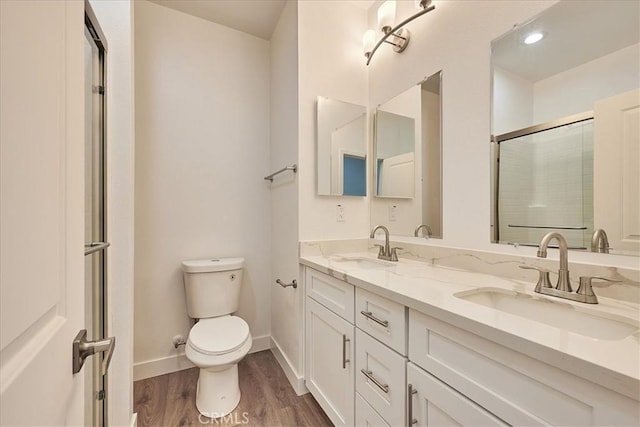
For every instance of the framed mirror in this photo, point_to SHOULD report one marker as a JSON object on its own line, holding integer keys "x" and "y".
{"x": 407, "y": 171}
{"x": 341, "y": 136}
{"x": 565, "y": 125}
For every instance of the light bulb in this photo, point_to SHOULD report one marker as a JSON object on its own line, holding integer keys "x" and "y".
{"x": 533, "y": 38}
{"x": 386, "y": 15}
{"x": 368, "y": 41}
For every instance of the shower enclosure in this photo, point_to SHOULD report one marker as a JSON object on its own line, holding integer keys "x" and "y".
{"x": 545, "y": 182}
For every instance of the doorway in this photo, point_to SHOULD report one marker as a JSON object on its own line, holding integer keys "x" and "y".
{"x": 95, "y": 232}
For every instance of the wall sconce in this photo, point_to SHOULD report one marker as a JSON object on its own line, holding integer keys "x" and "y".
{"x": 396, "y": 36}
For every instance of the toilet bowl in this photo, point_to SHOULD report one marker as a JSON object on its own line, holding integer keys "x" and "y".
{"x": 219, "y": 340}
{"x": 216, "y": 346}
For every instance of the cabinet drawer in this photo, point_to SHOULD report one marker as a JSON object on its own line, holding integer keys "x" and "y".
{"x": 336, "y": 295}
{"x": 515, "y": 387}
{"x": 380, "y": 378}
{"x": 383, "y": 319}
{"x": 433, "y": 403}
{"x": 366, "y": 415}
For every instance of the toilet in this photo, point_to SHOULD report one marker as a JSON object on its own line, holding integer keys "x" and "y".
{"x": 219, "y": 340}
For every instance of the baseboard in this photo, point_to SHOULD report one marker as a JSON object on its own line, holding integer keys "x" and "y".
{"x": 164, "y": 365}
{"x": 134, "y": 420}
{"x": 178, "y": 362}
{"x": 297, "y": 382}
{"x": 260, "y": 344}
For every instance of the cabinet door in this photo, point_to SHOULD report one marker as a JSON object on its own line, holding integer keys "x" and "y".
{"x": 329, "y": 370}
{"x": 433, "y": 403}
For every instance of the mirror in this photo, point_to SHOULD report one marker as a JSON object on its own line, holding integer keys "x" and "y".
{"x": 407, "y": 178}
{"x": 565, "y": 132}
{"x": 341, "y": 135}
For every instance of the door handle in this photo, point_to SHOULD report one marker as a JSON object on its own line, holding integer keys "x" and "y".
{"x": 83, "y": 349}
{"x": 345, "y": 340}
{"x": 411, "y": 392}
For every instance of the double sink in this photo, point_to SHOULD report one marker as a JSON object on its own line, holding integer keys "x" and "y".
{"x": 582, "y": 320}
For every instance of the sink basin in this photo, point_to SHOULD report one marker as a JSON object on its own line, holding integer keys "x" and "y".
{"x": 579, "y": 320}
{"x": 361, "y": 262}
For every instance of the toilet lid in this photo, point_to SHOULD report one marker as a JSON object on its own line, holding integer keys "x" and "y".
{"x": 219, "y": 335}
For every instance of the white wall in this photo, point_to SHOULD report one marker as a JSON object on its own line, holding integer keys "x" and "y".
{"x": 331, "y": 64}
{"x": 455, "y": 38}
{"x": 116, "y": 20}
{"x": 512, "y": 102}
{"x": 202, "y": 133}
{"x": 286, "y": 304}
{"x": 581, "y": 86}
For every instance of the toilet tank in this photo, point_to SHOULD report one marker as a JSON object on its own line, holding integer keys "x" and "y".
{"x": 212, "y": 286}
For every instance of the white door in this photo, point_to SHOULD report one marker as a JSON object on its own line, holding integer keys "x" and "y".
{"x": 616, "y": 173}
{"x": 433, "y": 403}
{"x": 330, "y": 363}
{"x": 41, "y": 212}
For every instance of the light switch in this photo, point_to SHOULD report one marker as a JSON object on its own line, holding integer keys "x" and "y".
{"x": 393, "y": 210}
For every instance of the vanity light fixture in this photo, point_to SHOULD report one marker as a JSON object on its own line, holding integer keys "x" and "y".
{"x": 399, "y": 36}
{"x": 534, "y": 37}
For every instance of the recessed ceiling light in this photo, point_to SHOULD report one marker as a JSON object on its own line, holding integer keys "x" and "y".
{"x": 533, "y": 38}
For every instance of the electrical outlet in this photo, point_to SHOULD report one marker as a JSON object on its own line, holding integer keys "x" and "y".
{"x": 393, "y": 210}
{"x": 340, "y": 213}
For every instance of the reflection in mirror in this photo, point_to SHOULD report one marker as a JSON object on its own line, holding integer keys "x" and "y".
{"x": 407, "y": 167}
{"x": 395, "y": 153}
{"x": 565, "y": 114}
{"x": 342, "y": 148}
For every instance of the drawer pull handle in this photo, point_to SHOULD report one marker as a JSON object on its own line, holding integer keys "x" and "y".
{"x": 345, "y": 340}
{"x": 369, "y": 375}
{"x": 370, "y": 316}
{"x": 412, "y": 391}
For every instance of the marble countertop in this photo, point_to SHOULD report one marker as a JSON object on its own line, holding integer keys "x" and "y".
{"x": 431, "y": 289}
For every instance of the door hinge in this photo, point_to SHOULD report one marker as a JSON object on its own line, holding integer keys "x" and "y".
{"x": 100, "y": 395}
{"x": 99, "y": 89}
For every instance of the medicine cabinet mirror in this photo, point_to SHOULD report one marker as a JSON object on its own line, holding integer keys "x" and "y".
{"x": 565, "y": 125}
{"x": 341, "y": 135}
{"x": 407, "y": 178}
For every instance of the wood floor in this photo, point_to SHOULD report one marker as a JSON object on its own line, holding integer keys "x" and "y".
{"x": 267, "y": 399}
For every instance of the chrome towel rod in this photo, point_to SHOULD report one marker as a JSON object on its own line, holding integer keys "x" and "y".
{"x": 293, "y": 284}
{"x": 293, "y": 168}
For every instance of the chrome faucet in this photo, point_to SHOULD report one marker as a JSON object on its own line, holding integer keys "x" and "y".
{"x": 600, "y": 242}
{"x": 563, "y": 287}
{"x": 386, "y": 252}
{"x": 564, "y": 283}
{"x": 426, "y": 228}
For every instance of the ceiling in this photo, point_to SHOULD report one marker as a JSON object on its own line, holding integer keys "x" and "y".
{"x": 576, "y": 33}
{"x": 255, "y": 17}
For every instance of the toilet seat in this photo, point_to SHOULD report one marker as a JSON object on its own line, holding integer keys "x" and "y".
{"x": 219, "y": 335}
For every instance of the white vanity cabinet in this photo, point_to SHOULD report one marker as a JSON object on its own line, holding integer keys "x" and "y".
{"x": 503, "y": 383}
{"x": 330, "y": 366}
{"x": 357, "y": 374}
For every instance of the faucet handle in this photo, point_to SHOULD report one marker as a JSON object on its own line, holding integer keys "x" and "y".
{"x": 381, "y": 252}
{"x": 543, "y": 277}
{"x": 394, "y": 255}
{"x": 586, "y": 288}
